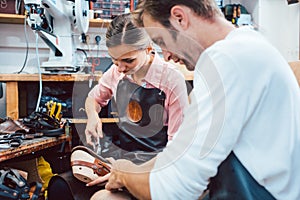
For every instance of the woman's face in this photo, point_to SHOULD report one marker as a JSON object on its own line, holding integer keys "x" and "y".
{"x": 128, "y": 59}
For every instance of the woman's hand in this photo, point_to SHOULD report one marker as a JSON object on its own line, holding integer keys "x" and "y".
{"x": 93, "y": 130}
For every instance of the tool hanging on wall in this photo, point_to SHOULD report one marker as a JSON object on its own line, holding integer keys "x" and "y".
{"x": 232, "y": 12}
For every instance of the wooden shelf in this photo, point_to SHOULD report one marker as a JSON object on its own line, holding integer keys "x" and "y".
{"x": 11, "y": 18}
{"x": 69, "y": 77}
{"x": 47, "y": 77}
{"x": 99, "y": 23}
{"x": 84, "y": 121}
{"x": 14, "y": 80}
{"x": 19, "y": 19}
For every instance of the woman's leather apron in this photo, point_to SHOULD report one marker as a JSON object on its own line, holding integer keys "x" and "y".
{"x": 148, "y": 132}
{"x": 141, "y": 128}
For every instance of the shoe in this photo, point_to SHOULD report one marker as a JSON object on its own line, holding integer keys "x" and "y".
{"x": 87, "y": 165}
{"x": 8, "y": 126}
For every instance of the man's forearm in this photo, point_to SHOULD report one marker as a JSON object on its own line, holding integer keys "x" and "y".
{"x": 138, "y": 184}
{"x": 134, "y": 177}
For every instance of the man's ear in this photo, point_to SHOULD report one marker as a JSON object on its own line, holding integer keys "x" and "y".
{"x": 179, "y": 17}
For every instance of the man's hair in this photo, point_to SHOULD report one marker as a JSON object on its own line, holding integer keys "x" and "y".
{"x": 159, "y": 10}
{"x": 122, "y": 31}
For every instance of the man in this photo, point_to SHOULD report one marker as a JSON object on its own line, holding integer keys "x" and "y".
{"x": 241, "y": 133}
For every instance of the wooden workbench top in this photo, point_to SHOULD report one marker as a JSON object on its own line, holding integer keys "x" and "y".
{"x": 31, "y": 147}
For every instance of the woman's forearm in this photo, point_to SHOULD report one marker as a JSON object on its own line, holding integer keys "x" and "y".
{"x": 91, "y": 106}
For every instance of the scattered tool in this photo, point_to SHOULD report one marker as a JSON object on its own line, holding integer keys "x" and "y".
{"x": 58, "y": 111}
{"x": 54, "y": 109}
{"x": 97, "y": 146}
{"x": 15, "y": 139}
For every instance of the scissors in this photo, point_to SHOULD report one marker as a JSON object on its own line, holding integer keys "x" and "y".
{"x": 97, "y": 146}
{"x": 94, "y": 61}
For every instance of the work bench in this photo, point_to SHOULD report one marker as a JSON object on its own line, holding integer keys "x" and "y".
{"x": 16, "y": 105}
{"x": 32, "y": 147}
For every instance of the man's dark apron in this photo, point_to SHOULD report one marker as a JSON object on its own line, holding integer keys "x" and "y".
{"x": 234, "y": 182}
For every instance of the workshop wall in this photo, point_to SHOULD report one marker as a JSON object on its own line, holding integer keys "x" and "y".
{"x": 285, "y": 34}
{"x": 13, "y": 47}
{"x": 277, "y": 21}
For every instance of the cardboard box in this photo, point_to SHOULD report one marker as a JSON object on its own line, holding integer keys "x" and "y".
{"x": 9, "y": 6}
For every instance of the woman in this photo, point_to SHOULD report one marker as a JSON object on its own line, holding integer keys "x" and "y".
{"x": 149, "y": 94}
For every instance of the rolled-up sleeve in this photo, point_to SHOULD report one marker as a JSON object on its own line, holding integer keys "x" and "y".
{"x": 104, "y": 90}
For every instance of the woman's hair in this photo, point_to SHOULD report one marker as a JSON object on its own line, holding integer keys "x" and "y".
{"x": 122, "y": 31}
{"x": 159, "y": 10}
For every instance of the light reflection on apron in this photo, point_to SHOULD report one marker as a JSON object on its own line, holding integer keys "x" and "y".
{"x": 140, "y": 111}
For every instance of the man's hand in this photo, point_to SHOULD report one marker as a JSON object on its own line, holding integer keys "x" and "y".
{"x": 102, "y": 179}
{"x": 119, "y": 167}
{"x": 99, "y": 180}
{"x": 133, "y": 177}
{"x": 114, "y": 178}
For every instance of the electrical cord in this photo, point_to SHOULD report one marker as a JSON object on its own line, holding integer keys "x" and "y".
{"x": 39, "y": 71}
{"x": 82, "y": 50}
{"x": 27, "y": 48}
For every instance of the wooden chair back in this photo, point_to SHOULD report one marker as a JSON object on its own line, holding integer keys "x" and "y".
{"x": 295, "y": 65}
